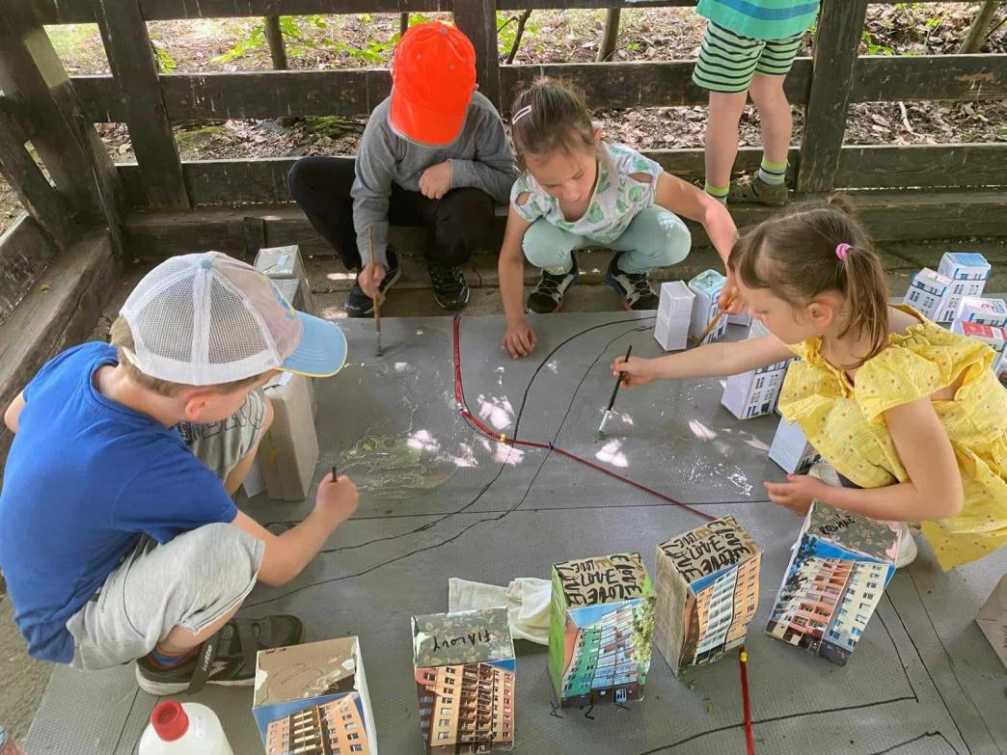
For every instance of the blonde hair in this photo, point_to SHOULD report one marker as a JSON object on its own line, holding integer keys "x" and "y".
{"x": 120, "y": 336}
{"x": 795, "y": 256}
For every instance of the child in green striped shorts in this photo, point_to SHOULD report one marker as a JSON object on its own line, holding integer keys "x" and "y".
{"x": 749, "y": 49}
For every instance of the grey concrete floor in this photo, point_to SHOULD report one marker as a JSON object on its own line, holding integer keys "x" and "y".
{"x": 24, "y": 680}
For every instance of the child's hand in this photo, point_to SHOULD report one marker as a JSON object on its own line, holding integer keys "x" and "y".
{"x": 796, "y": 493}
{"x": 729, "y": 292}
{"x": 370, "y": 278}
{"x": 637, "y": 371}
{"x": 435, "y": 181}
{"x": 338, "y": 498}
{"x": 519, "y": 339}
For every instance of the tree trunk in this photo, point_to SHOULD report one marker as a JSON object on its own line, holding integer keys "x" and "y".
{"x": 610, "y": 35}
{"x": 980, "y": 28}
{"x": 278, "y": 53}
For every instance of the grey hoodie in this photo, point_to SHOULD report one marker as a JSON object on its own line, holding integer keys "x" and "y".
{"x": 480, "y": 158}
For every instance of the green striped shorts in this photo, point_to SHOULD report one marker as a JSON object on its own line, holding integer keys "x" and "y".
{"x": 727, "y": 61}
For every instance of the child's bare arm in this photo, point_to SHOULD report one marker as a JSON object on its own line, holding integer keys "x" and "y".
{"x": 286, "y": 555}
{"x": 711, "y": 360}
{"x": 934, "y": 490}
{"x": 13, "y": 413}
{"x": 519, "y": 338}
{"x": 687, "y": 201}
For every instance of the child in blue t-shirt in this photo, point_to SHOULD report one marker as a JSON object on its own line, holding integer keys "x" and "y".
{"x": 119, "y": 540}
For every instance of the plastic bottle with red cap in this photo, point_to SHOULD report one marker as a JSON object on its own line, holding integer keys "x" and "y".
{"x": 189, "y": 728}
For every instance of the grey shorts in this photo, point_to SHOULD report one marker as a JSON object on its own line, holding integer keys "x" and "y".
{"x": 221, "y": 445}
{"x": 188, "y": 582}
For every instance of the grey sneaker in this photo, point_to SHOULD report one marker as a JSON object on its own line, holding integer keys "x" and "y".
{"x": 753, "y": 190}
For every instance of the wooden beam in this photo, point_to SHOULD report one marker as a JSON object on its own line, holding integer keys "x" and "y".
{"x": 25, "y": 251}
{"x": 929, "y": 77}
{"x": 46, "y": 205}
{"x": 625, "y": 85}
{"x": 82, "y": 12}
{"x": 263, "y": 181}
{"x": 835, "y": 55}
{"x": 477, "y": 18}
{"x": 130, "y": 55}
{"x": 922, "y": 166}
{"x": 32, "y": 75}
{"x": 272, "y": 94}
{"x": 60, "y": 311}
{"x": 890, "y": 215}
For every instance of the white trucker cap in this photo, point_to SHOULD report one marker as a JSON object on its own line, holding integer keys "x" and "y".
{"x": 209, "y": 319}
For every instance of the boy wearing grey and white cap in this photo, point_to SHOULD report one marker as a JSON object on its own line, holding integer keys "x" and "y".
{"x": 118, "y": 536}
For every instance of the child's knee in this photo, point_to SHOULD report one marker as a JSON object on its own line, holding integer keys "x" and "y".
{"x": 546, "y": 246}
{"x": 671, "y": 239}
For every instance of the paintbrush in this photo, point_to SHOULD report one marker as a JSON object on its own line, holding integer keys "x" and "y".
{"x": 378, "y": 351}
{"x": 334, "y": 478}
{"x": 611, "y": 400}
{"x": 713, "y": 323}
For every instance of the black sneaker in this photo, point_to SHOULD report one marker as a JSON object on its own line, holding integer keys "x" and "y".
{"x": 450, "y": 289}
{"x": 634, "y": 289}
{"x": 359, "y": 304}
{"x": 227, "y": 658}
{"x": 547, "y": 297}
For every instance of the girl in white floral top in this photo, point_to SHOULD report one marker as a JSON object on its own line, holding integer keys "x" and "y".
{"x": 577, "y": 191}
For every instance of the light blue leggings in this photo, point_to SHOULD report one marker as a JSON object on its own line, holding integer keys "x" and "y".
{"x": 654, "y": 238}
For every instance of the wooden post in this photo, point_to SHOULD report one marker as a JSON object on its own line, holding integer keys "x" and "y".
{"x": 477, "y": 18}
{"x": 46, "y": 205}
{"x": 34, "y": 79}
{"x": 836, "y": 41}
{"x": 128, "y": 46}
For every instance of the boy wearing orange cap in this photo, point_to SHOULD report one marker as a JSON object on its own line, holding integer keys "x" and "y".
{"x": 434, "y": 154}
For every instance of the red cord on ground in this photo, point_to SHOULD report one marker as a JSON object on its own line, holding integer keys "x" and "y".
{"x": 502, "y": 438}
{"x": 749, "y": 736}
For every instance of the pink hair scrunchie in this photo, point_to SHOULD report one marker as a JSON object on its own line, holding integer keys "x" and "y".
{"x": 842, "y": 250}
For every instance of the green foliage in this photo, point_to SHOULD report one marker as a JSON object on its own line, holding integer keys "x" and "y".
{"x": 165, "y": 63}
{"x": 507, "y": 31}
{"x": 875, "y": 49}
{"x": 293, "y": 29}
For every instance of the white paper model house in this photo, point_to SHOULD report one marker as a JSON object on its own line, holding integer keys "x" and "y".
{"x": 707, "y": 287}
{"x": 791, "y": 450}
{"x": 995, "y": 338}
{"x": 968, "y": 272}
{"x": 992, "y": 312}
{"x": 928, "y": 292}
{"x": 674, "y": 313}
{"x": 754, "y": 393}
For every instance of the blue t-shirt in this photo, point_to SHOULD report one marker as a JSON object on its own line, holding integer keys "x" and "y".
{"x": 85, "y": 478}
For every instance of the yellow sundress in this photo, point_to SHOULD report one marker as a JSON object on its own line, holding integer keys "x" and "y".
{"x": 845, "y": 423}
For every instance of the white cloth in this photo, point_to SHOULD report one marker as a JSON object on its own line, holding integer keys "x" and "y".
{"x": 526, "y": 600}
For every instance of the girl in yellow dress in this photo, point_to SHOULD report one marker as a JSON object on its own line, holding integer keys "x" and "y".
{"x": 911, "y": 415}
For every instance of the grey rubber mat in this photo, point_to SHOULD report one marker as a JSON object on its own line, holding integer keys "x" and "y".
{"x": 439, "y": 501}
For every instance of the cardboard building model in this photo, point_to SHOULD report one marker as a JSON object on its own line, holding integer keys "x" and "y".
{"x": 674, "y": 313}
{"x": 707, "y": 287}
{"x": 928, "y": 293}
{"x": 756, "y": 392}
{"x": 791, "y": 449}
{"x": 600, "y": 630}
{"x": 834, "y": 581}
{"x": 285, "y": 266}
{"x": 968, "y": 272}
{"x": 313, "y": 698}
{"x": 707, "y": 588}
{"x": 464, "y": 670}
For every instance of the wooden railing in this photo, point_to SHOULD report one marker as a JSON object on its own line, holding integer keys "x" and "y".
{"x": 825, "y": 85}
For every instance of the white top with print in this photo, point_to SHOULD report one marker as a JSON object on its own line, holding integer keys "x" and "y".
{"x": 617, "y": 198}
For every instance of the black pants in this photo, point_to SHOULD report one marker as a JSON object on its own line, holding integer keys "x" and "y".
{"x": 456, "y": 224}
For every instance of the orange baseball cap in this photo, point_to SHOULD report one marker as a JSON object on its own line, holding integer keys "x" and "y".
{"x": 433, "y": 78}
